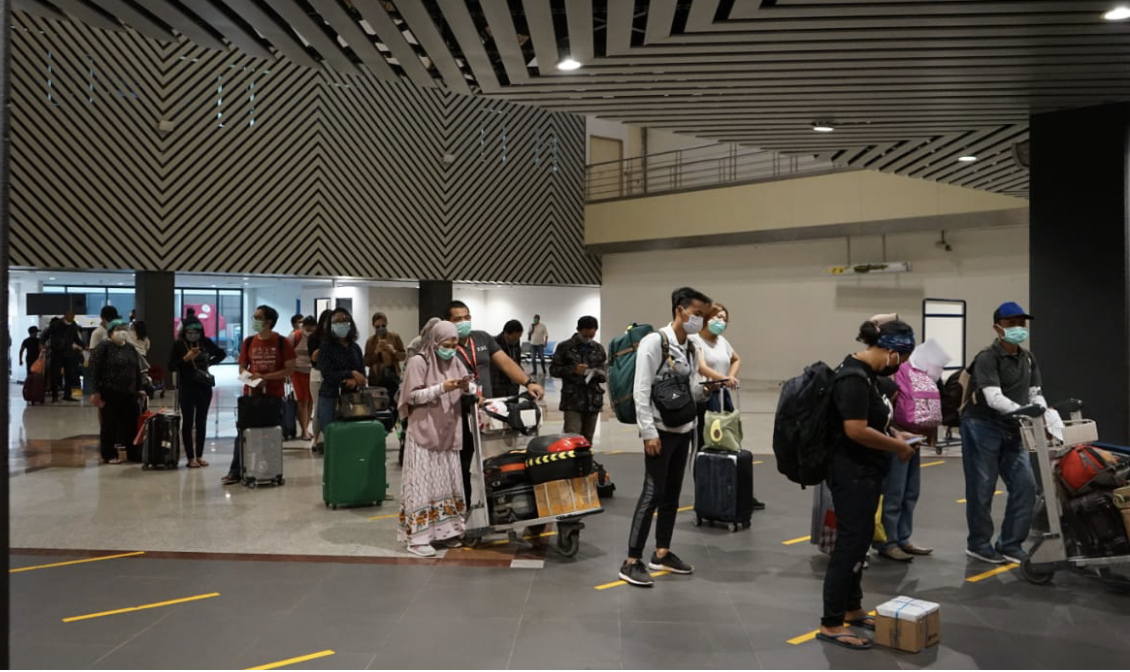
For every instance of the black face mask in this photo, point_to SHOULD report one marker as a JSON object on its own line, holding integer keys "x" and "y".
{"x": 888, "y": 371}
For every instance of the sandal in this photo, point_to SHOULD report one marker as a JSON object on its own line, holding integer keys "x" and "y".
{"x": 201, "y": 462}
{"x": 867, "y": 623}
{"x": 193, "y": 464}
{"x": 838, "y": 641}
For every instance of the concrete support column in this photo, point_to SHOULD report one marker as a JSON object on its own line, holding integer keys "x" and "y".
{"x": 155, "y": 305}
{"x": 434, "y": 297}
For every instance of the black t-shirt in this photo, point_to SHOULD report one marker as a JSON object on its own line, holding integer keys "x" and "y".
{"x": 478, "y": 359}
{"x": 31, "y": 345}
{"x": 857, "y": 397}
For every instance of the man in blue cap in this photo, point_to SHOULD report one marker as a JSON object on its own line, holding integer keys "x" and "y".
{"x": 1002, "y": 378}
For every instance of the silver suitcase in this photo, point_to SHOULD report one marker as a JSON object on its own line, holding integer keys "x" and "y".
{"x": 262, "y": 456}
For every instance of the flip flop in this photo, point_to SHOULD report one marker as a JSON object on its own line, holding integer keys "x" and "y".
{"x": 836, "y": 639}
{"x": 867, "y": 623}
{"x": 202, "y": 463}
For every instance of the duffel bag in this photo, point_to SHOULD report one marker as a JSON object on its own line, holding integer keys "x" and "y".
{"x": 504, "y": 471}
{"x": 1084, "y": 468}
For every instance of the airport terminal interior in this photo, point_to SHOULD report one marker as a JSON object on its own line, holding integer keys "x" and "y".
{"x": 937, "y": 187}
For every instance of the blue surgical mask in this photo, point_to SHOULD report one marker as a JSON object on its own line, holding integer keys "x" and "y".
{"x": 341, "y": 329}
{"x": 445, "y": 353}
{"x": 1015, "y": 335}
{"x": 256, "y": 325}
{"x": 717, "y": 326}
{"x": 463, "y": 328}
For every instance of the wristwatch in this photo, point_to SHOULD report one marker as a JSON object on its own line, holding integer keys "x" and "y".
{"x": 529, "y": 381}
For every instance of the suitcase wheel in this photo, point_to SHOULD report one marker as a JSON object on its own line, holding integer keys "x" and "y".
{"x": 280, "y": 481}
{"x": 251, "y": 483}
{"x": 734, "y": 527}
{"x": 145, "y": 467}
{"x": 697, "y": 520}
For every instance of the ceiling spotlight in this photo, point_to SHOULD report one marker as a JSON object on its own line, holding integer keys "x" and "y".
{"x": 823, "y": 126}
{"x": 1118, "y": 14}
{"x": 967, "y": 159}
{"x": 569, "y": 64}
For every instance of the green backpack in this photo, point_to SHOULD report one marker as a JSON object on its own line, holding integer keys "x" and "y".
{"x": 622, "y": 371}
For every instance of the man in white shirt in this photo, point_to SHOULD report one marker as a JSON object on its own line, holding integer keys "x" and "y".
{"x": 108, "y": 315}
{"x": 664, "y": 382}
{"x": 539, "y": 338}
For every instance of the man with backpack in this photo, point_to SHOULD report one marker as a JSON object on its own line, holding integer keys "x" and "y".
{"x": 1002, "y": 378}
{"x": 268, "y": 357}
{"x": 665, "y": 409}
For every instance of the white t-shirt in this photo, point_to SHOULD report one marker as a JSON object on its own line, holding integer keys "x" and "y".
{"x": 539, "y": 335}
{"x": 716, "y": 355}
{"x": 98, "y": 336}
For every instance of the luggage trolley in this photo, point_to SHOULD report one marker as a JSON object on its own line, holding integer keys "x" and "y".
{"x": 491, "y": 438}
{"x": 1050, "y": 553}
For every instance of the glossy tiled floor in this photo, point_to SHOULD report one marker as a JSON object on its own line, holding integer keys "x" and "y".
{"x": 750, "y": 594}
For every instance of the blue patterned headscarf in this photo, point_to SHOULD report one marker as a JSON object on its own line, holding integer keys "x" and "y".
{"x": 901, "y": 343}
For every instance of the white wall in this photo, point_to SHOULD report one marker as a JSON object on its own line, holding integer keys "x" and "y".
{"x": 786, "y": 311}
{"x": 559, "y": 307}
{"x": 400, "y": 304}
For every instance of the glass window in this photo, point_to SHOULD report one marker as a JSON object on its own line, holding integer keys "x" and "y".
{"x": 231, "y": 316}
{"x": 95, "y": 298}
{"x": 122, "y": 298}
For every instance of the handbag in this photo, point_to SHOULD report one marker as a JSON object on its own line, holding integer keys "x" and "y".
{"x": 722, "y": 428}
{"x": 203, "y": 377}
{"x": 355, "y": 406}
{"x": 37, "y": 365}
{"x": 672, "y": 395}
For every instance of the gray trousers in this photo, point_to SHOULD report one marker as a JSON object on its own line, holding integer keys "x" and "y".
{"x": 584, "y": 424}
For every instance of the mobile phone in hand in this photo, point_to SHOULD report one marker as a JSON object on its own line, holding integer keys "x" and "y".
{"x": 915, "y": 440}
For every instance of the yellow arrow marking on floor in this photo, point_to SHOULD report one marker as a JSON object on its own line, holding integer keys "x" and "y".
{"x": 993, "y": 572}
{"x": 790, "y": 542}
{"x": 293, "y": 661}
{"x": 963, "y": 500}
{"x": 809, "y": 636}
{"x": 606, "y": 586}
{"x": 76, "y": 562}
{"x": 931, "y": 464}
{"x": 182, "y": 600}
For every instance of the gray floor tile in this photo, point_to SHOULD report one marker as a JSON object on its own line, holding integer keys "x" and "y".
{"x": 58, "y": 655}
{"x": 576, "y": 643}
{"x": 467, "y": 642}
{"x": 341, "y": 660}
{"x": 668, "y": 645}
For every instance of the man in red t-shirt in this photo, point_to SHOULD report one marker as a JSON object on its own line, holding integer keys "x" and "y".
{"x": 268, "y": 357}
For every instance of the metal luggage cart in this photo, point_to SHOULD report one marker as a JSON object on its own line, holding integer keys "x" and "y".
{"x": 1049, "y": 553}
{"x": 491, "y": 439}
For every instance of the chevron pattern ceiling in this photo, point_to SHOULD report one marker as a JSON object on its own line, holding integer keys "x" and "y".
{"x": 909, "y": 84}
{"x": 266, "y": 166}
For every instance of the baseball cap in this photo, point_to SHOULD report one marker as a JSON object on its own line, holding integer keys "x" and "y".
{"x": 1009, "y": 309}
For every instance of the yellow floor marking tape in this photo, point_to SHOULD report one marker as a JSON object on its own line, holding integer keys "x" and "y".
{"x": 759, "y": 461}
{"x": 790, "y": 542}
{"x": 685, "y": 508}
{"x": 293, "y": 661}
{"x": 963, "y": 500}
{"x": 390, "y": 515}
{"x": 809, "y": 636}
{"x": 606, "y": 586}
{"x": 993, "y": 572}
{"x": 76, "y": 562}
{"x": 931, "y": 464}
{"x": 194, "y": 598}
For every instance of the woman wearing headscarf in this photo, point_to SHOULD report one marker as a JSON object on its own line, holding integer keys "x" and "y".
{"x": 431, "y": 491}
{"x": 193, "y": 353}
{"x": 116, "y": 376}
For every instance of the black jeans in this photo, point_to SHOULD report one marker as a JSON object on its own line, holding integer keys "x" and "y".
{"x": 194, "y": 403}
{"x": 466, "y": 457}
{"x": 63, "y": 372}
{"x": 119, "y": 424}
{"x": 661, "y": 488}
{"x": 855, "y": 493}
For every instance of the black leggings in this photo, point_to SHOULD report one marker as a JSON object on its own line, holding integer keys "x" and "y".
{"x": 194, "y": 403}
{"x": 661, "y": 488}
{"x": 119, "y": 424}
{"x": 466, "y": 457}
{"x": 856, "y": 498}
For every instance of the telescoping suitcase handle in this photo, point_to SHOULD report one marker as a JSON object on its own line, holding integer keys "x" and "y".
{"x": 734, "y": 394}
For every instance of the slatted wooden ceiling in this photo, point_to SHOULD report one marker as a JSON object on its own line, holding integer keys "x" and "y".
{"x": 910, "y": 85}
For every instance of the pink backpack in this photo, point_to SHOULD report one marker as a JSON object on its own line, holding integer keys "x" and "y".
{"x": 919, "y": 403}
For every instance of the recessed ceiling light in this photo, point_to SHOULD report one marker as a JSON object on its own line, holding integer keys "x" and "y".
{"x": 569, "y": 64}
{"x": 967, "y": 159}
{"x": 50, "y": 278}
{"x": 823, "y": 127}
{"x": 1118, "y": 14}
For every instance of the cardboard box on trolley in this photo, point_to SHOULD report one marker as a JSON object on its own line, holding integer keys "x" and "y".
{"x": 907, "y": 624}
{"x": 555, "y": 498}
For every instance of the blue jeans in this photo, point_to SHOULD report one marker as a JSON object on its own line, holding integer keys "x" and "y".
{"x": 900, "y": 496}
{"x": 537, "y": 353}
{"x": 327, "y": 409}
{"x": 990, "y": 449}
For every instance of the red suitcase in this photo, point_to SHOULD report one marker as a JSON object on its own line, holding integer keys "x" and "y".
{"x": 35, "y": 388}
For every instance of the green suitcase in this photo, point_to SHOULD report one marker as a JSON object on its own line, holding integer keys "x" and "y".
{"x": 353, "y": 473}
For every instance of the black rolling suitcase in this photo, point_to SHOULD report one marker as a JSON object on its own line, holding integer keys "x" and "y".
{"x": 290, "y": 415}
{"x": 160, "y": 444}
{"x": 723, "y": 488}
{"x": 1093, "y": 526}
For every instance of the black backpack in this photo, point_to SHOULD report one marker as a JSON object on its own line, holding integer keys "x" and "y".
{"x": 952, "y": 393}
{"x": 804, "y": 430}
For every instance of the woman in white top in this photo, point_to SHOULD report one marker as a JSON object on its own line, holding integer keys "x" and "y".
{"x": 139, "y": 337}
{"x": 717, "y": 360}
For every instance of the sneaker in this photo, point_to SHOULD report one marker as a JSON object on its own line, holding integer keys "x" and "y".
{"x": 917, "y": 550}
{"x": 636, "y": 574}
{"x": 425, "y": 551}
{"x": 670, "y": 563}
{"x": 1015, "y": 556}
{"x": 895, "y": 553}
{"x": 990, "y": 556}
{"x": 758, "y": 505}
{"x": 230, "y": 479}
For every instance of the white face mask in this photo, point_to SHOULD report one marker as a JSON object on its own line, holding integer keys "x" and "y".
{"x": 119, "y": 337}
{"x": 693, "y": 325}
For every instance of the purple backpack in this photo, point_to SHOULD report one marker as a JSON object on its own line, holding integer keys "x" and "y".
{"x": 918, "y": 407}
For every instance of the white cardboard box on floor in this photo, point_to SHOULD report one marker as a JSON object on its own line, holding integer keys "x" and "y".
{"x": 907, "y": 624}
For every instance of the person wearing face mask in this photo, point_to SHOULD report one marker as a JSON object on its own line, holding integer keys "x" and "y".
{"x": 510, "y": 341}
{"x": 432, "y": 500}
{"x": 856, "y": 470}
{"x": 268, "y": 357}
{"x": 193, "y": 352}
{"x": 666, "y": 446}
{"x": 341, "y": 362}
{"x": 321, "y": 333}
{"x": 1002, "y": 378}
{"x": 539, "y": 338}
{"x": 582, "y": 365}
{"x": 300, "y": 379}
{"x": 116, "y": 370}
{"x": 384, "y": 351}
{"x": 481, "y": 354}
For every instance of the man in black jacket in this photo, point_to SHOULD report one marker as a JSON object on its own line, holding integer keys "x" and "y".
{"x": 510, "y": 340}
{"x": 581, "y": 364}
{"x": 64, "y": 340}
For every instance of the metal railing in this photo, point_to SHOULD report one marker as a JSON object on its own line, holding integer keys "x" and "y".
{"x": 694, "y": 168}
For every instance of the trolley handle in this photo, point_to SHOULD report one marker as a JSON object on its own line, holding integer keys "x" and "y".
{"x": 1030, "y": 411}
{"x": 1068, "y": 406}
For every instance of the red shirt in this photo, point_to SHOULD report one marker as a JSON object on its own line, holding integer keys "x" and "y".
{"x": 262, "y": 356}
